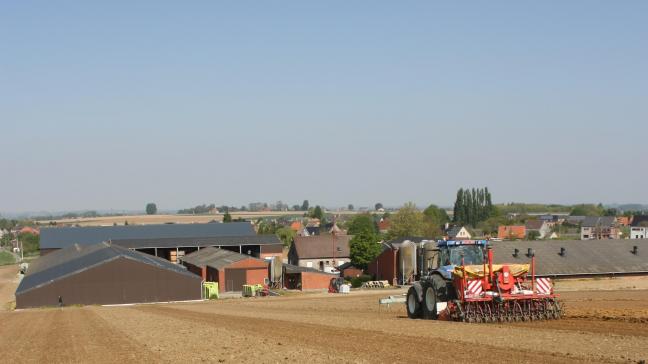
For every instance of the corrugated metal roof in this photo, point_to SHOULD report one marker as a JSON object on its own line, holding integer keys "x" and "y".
{"x": 194, "y": 241}
{"x": 534, "y": 224}
{"x": 215, "y": 258}
{"x": 61, "y": 237}
{"x": 77, "y": 258}
{"x": 582, "y": 257}
{"x": 594, "y": 221}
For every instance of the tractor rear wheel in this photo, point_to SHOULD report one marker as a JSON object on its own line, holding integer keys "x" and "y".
{"x": 429, "y": 303}
{"x": 413, "y": 305}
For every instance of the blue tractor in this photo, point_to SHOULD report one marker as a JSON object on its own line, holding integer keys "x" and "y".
{"x": 430, "y": 294}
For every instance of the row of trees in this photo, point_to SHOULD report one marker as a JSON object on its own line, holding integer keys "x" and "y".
{"x": 472, "y": 206}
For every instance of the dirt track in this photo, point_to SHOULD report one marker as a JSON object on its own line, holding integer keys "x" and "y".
{"x": 8, "y": 284}
{"x": 600, "y": 326}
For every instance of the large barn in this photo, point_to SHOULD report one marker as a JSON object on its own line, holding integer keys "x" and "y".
{"x": 104, "y": 274}
{"x": 578, "y": 258}
{"x": 168, "y": 241}
{"x": 230, "y": 269}
{"x": 554, "y": 258}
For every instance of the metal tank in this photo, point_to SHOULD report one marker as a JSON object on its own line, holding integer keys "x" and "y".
{"x": 428, "y": 256}
{"x": 407, "y": 261}
{"x": 276, "y": 271}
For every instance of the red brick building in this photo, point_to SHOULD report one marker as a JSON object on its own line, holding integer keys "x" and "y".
{"x": 349, "y": 270}
{"x": 303, "y": 278}
{"x": 231, "y": 270}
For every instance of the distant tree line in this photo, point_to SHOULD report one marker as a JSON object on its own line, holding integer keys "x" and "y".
{"x": 197, "y": 210}
{"x": 74, "y": 215}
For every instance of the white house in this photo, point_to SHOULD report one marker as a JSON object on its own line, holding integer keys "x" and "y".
{"x": 638, "y": 232}
{"x": 639, "y": 227}
{"x": 542, "y": 227}
{"x": 457, "y": 233}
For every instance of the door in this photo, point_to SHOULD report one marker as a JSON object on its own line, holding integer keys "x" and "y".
{"x": 235, "y": 279}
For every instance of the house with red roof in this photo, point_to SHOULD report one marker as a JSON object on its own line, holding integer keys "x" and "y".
{"x": 511, "y": 232}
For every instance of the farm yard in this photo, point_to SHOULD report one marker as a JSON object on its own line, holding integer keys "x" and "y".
{"x": 600, "y": 326}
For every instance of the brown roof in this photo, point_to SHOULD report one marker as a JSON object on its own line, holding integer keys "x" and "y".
{"x": 29, "y": 230}
{"x": 321, "y": 246}
{"x": 534, "y": 224}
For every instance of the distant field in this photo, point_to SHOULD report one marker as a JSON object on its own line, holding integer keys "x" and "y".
{"x": 178, "y": 219}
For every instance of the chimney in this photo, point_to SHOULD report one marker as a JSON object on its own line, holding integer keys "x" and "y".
{"x": 516, "y": 251}
{"x": 562, "y": 252}
{"x": 530, "y": 253}
{"x": 635, "y": 250}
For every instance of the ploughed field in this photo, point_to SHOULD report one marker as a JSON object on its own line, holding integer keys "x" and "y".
{"x": 600, "y": 326}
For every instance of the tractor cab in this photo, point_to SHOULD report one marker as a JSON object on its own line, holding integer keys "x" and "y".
{"x": 451, "y": 253}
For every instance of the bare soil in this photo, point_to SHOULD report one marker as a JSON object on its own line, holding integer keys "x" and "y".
{"x": 8, "y": 283}
{"x": 600, "y": 326}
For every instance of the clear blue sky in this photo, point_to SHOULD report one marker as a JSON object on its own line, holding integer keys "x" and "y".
{"x": 117, "y": 104}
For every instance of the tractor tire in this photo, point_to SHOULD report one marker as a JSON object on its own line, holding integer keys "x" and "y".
{"x": 429, "y": 303}
{"x": 412, "y": 304}
{"x": 442, "y": 288}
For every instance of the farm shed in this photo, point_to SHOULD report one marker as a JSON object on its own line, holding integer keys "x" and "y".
{"x": 104, "y": 274}
{"x": 230, "y": 269}
{"x": 169, "y": 241}
{"x": 303, "y": 278}
{"x": 554, "y": 258}
{"x": 578, "y": 258}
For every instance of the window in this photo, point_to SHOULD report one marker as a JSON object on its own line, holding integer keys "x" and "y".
{"x": 309, "y": 264}
{"x": 471, "y": 254}
{"x": 433, "y": 261}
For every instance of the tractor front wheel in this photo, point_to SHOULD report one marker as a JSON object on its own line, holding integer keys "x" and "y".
{"x": 413, "y": 304}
